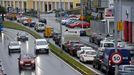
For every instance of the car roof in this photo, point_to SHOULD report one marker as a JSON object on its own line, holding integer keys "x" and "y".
{"x": 126, "y": 65}
{"x": 90, "y": 50}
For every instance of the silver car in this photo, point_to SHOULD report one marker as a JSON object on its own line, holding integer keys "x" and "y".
{"x": 126, "y": 70}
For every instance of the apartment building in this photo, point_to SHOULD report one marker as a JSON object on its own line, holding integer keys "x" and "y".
{"x": 42, "y": 5}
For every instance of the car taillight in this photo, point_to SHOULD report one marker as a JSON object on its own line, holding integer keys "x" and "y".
{"x": 130, "y": 62}
{"x": 33, "y": 61}
{"x": 109, "y": 62}
{"x": 85, "y": 55}
{"x": 21, "y": 62}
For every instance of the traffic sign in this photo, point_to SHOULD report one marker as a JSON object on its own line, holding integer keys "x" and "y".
{"x": 116, "y": 58}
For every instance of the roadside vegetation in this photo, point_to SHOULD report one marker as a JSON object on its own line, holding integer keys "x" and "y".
{"x": 77, "y": 65}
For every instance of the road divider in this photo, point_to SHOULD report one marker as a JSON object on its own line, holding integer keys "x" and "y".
{"x": 75, "y": 64}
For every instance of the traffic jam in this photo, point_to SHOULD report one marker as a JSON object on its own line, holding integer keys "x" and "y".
{"x": 101, "y": 54}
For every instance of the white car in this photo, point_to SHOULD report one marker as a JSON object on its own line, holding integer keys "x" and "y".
{"x": 87, "y": 55}
{"x": 106, "y": 43}
{"x": 39, "y": 26}
{"x": 41, "y": 46}
{"x": 14, "y": 47}
{"x": 83, "y": 49}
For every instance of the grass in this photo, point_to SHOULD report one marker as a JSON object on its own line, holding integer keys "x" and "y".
{"x": 78, "y": 66}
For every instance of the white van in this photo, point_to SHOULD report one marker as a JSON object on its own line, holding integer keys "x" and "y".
{"x": 106, "y": 43}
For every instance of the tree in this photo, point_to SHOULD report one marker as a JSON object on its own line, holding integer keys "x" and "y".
{"x": 2, "y": 11}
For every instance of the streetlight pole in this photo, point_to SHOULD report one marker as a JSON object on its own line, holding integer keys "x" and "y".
{"x": 115, "y": 24}
{"x": 60, "y": 23}
{"x": 39, "y": 6}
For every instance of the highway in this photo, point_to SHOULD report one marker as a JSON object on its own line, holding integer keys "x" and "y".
{"x": 45, "y": 64}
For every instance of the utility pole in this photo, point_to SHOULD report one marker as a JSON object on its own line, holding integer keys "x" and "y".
{"x": 60, "y": 23}
{"x": 115, "y": 24}
{"x": 39, "y": 6}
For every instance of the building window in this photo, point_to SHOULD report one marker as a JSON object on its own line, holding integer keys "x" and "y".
{"x": 71, "y": 5}
{"x": 77, "y": 4}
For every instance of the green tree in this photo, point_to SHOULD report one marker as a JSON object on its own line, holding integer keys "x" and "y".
{"x": 2, "y": 11}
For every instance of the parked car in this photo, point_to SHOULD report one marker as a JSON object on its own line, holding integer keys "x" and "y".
{"x": 108, "y": 66}
{"x": 32, "y": 24}
{"x": 14, "y": 47}
{"x": 39, "y": 26}
{"x": 126, "y": 70}
{"x": 83, "y": 49}
{"x": 43, "y": 20}
{"x": 26, "y": 61}
{"x": 41, "y": 46}
{"x": 98, "y": 59}
{"x": 65, "y": 21}
{"x": 87, "y": 55}
{"x": 80, "y": 24}
{"x": 23, "y": 36}
{"x": 71, "y": 21}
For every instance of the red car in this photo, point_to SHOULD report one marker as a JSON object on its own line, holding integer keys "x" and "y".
{"x": 80, "y": 24}
{"x": 26, "y": 61}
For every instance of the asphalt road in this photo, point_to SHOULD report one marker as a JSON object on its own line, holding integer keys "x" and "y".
{"x": 45, "y": 64}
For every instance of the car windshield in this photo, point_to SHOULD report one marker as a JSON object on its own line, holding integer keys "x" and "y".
{"x": 41, "y": 43}
{"x": 27, "y": 56}
{"x": 91, "y": 53}
{"x": 86, "y": 48}
{"x": 129, "y": 68}
{"x": 41, "y": 25}
{"x": 14, "y": 44}
{"x": 108, "y": 45}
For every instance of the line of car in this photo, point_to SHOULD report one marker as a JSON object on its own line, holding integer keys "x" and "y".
{"x": 100, "y": 58}
{"x": 27, "y": 60}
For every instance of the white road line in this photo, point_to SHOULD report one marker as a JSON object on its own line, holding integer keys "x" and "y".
{"x": 27, "y": 46}
{"x": 2, "y": 34}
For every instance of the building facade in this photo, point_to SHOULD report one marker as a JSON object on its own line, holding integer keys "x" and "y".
{"x": 42, "y": 5}
{"x": 125, "y": 15}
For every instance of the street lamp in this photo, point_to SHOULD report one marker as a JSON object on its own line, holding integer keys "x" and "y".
{"x": 60, "y": 22}
{"x": 115, "y": 37}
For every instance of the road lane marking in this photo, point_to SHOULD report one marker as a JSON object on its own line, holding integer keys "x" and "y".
{"x": 27, "y": 46}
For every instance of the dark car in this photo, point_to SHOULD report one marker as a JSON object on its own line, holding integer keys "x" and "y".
{"x": 26, "y": 61}
{"x": 55, "y": 35}
{"x": 43, "y": 20}
{"x": 108, "y": 66}
{"x": 74, "y": 47}
{"x": 22, "y": 37}
{"x": 98, "y": 59}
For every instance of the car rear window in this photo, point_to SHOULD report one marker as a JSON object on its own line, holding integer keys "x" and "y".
{"x": 108, "y": 45}
{"x": 90, "y": 53}
{"x": 41, "y": 43}
{"x": 41, "y": 24}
